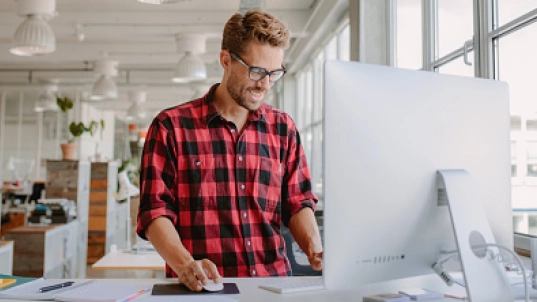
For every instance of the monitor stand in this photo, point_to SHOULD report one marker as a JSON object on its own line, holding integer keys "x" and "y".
{"x": 484, "y": 275}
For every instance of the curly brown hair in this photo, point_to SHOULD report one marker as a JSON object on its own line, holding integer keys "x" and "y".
{"x": 254, "y": 25}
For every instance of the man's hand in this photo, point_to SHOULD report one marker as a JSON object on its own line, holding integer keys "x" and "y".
{"x": 316, "y": 261}
{"x": 196, "y": 273}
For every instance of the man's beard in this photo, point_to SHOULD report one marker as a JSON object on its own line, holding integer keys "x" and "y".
{"x": 238, "y": 94}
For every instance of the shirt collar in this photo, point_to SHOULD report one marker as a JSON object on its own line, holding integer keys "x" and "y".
{"x": 212, "y": 112}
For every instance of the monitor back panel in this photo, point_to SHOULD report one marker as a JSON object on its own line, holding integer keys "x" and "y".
{"x": 386, "y": 133}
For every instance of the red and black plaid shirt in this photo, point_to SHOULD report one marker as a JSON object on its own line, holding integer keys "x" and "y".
{"x": 226, "y": 193}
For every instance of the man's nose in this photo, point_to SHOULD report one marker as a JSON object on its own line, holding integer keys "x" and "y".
{"x": 264, "y": 83}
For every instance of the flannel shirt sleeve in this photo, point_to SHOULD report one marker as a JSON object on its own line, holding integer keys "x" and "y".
{"x": 158, "y": 176}
{"x": 296, "y": 188}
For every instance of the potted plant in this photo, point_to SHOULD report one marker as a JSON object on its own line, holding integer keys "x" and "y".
{"x": 75, "y": 129}
{"x": 68, "y": 149}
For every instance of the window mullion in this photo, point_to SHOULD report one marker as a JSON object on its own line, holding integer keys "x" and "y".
{"x": 483, "y": 56}
{"x": 429, "y": 33}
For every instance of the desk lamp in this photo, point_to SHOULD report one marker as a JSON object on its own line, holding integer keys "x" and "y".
{"x": 126, "y": 191}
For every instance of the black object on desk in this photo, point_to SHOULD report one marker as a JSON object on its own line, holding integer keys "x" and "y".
{"x": 179, "y": 289}
{"x": 56, "y": 286}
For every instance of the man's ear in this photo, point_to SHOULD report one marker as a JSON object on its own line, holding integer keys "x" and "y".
{"x": 225, "y": 59}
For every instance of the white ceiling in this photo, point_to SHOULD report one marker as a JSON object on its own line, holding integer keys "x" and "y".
{"x": 142, "y": 38}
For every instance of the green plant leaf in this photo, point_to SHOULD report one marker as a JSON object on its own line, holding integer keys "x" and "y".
{"x": 64, "y": 103}
{"x": 76, "y": 129}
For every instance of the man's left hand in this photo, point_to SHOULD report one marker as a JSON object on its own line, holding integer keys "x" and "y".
{"x": 316, "y": 261}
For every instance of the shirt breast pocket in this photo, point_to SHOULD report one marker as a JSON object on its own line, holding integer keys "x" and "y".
{"x": 198, "y": 188}
{"x": 270, "y": 181}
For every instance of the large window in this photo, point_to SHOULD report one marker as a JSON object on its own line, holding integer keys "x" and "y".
{"x": 408, "y": 28}
{"x": 310, "y": 103}
{"x": 440, "y": 36}
{"x": 510, "y": 37}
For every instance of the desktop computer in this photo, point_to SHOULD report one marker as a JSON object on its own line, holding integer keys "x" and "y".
{"x": 387, "y": 132}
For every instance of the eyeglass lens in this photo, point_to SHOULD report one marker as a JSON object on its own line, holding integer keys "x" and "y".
{"x": 258, "y": 73}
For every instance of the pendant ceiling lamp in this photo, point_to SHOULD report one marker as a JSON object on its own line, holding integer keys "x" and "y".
{"x": 34, "y": 36}
{"x": 246, "y": 5}
{"x": 136, "y": 112}
{"x": 190, "y": 67}
{"x": 161, "y": 1}
{"x": 105, "y": 87}
{"x": 47, "y": 100}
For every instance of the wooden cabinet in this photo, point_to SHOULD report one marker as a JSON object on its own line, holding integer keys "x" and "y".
{"x": 6, "y": 257}
{"x": 49, "y": 251}
{"x": 107, "y": 218}
{"x": 71, "y": 180}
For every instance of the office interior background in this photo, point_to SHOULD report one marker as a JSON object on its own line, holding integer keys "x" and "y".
{"x": 491, "y": 39}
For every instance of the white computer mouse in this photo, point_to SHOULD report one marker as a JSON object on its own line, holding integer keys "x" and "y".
{"x": 213, "y": 286}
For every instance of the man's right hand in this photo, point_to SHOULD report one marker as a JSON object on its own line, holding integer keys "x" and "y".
{"x": 196, "y": 273}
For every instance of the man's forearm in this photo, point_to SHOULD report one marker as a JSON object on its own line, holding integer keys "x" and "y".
{"x": 304, "y": 229}
{"x": 166, "y": 241}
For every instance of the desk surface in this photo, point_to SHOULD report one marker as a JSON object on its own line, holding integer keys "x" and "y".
{"x": 250, "y": 291}
{"x": 120, "y": 260}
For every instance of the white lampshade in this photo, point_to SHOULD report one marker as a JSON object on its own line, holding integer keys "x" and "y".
{"x": 104, "y": 88}
{"x": 136, "y": 110}
{"x": 189, "y": 68}
{"x": 160, "y": 1}
{"x": 46, "y": 102}
{"x": 33, "y": 37}
{"x": 126, "y": 188}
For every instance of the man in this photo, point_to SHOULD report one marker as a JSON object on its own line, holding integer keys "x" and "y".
{"x": 221, "y": 173}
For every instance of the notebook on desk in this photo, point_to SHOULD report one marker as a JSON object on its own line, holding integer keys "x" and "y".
{"x": 90, "y": 291}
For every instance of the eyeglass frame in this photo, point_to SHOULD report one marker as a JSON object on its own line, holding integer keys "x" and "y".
{"x": 261, "y": 69}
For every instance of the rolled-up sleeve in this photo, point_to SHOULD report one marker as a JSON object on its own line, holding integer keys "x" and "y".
{"x": 158, "y": 175}
{"x": 297, "y": 188}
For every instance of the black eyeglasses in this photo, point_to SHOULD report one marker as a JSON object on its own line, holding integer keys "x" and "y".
{"x": 259, "y": 73}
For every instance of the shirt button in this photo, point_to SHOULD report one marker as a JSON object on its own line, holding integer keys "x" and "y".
{"x": 242, "y": 187}
{"x": 240, "y": 158}
{"x": 248, "y": 243}
{"x": 232, "y": 130}
{"x": 253, "y": 272}
{"x": 198, "y": 163}
{"x": 244, "y": 214}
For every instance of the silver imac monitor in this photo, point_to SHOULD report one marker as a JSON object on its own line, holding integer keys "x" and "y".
{"x": 387, "y": 132}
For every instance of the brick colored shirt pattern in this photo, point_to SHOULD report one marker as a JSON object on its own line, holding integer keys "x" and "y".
{"x": 226, "y": 192}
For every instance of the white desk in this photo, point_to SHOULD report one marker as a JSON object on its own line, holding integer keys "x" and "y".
{"x": 120, "y": 260}
{"x": 250, "y": 291}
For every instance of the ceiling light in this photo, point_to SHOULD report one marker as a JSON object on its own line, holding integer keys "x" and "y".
{"x": 247, "y": 5}
{"x": 47, "y": 100}
{"x": 34, "y": 36}
{"x": 136, "y": 110}
{"x": 105, "y": 87}
{"x": 160, "y": 1}
{"x": 190, "y": 67}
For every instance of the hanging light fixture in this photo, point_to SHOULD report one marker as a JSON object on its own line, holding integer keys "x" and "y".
{"x": 161, "y": 1}
{"x": 47, "y": 100}
{"x": 246, "y": 5}
{"x": 34, "y": 36}
{"x": 105, "y": 87}
{"x": 136, "y": 110}
{"x": 190, "y": 67}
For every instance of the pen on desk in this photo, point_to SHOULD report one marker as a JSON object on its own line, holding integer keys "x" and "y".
{"x": 135, "y": 295}
{"x": 55, "y": 286}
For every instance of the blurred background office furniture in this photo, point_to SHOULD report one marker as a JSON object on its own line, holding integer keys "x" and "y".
{"x": 107, "y": 217}
{"x": 71, "y": 180}
{"x": 6, "y": 257}
{"x": 45, "y": 251}
{"x": 117, "y": 262}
